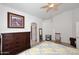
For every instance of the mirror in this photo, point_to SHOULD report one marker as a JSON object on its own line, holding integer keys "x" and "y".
{"x": 40, "y": 34}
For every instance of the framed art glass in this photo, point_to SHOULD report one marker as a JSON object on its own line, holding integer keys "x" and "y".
{"x": 15, "y": 20}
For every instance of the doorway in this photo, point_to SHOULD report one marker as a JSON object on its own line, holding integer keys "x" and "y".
{"x": 40, "y": 35}
{"x": 33, "y": 34}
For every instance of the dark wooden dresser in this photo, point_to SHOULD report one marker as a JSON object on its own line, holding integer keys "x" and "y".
{"x": 14, "y": 43}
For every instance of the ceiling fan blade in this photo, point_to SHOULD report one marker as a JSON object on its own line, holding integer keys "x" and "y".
{"x": 48, "y": 9}
{"x": 45, "y": 6}
{"x": 50, "y": 3}
{"x": 56, "y": 7}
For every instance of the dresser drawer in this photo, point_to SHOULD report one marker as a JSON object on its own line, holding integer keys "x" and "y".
{"x": 8, "y": 46}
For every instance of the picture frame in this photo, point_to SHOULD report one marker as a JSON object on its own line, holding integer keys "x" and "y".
{"x": 15, "y": 20}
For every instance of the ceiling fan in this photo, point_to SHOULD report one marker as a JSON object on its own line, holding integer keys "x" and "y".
{"x": 51, "y": 6}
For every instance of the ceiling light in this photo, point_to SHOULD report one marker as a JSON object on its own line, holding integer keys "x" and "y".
{"x": 52, "y": 5}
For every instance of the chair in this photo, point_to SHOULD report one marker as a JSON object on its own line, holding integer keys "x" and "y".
{"x": 48, "y": 37}
{"x": 73, "y": 42}
{"x": 58, "y": 37}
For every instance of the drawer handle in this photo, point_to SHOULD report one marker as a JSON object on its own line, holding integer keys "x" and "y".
{"x": 5, "y": 52}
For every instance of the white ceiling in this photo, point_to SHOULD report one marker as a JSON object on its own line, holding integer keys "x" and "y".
{"x": 34, "y": 8}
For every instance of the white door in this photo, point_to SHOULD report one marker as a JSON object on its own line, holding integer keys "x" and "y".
{"x": 77, "y": 34}
{"x": 34, "y": 31}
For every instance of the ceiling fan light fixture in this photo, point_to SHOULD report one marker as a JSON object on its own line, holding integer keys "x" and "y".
{"x": 52, "y": 5}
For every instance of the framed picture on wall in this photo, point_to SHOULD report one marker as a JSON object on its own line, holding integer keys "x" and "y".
{"x": 15, "y": 20}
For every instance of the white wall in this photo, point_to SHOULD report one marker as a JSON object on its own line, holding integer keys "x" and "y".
{"x": 48, "y": 28}
{"x": 75, "y": 19}
{"x": 76, "y": 25}
{"x": 28, "y": 20}
{"x": 63, "y": 25}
